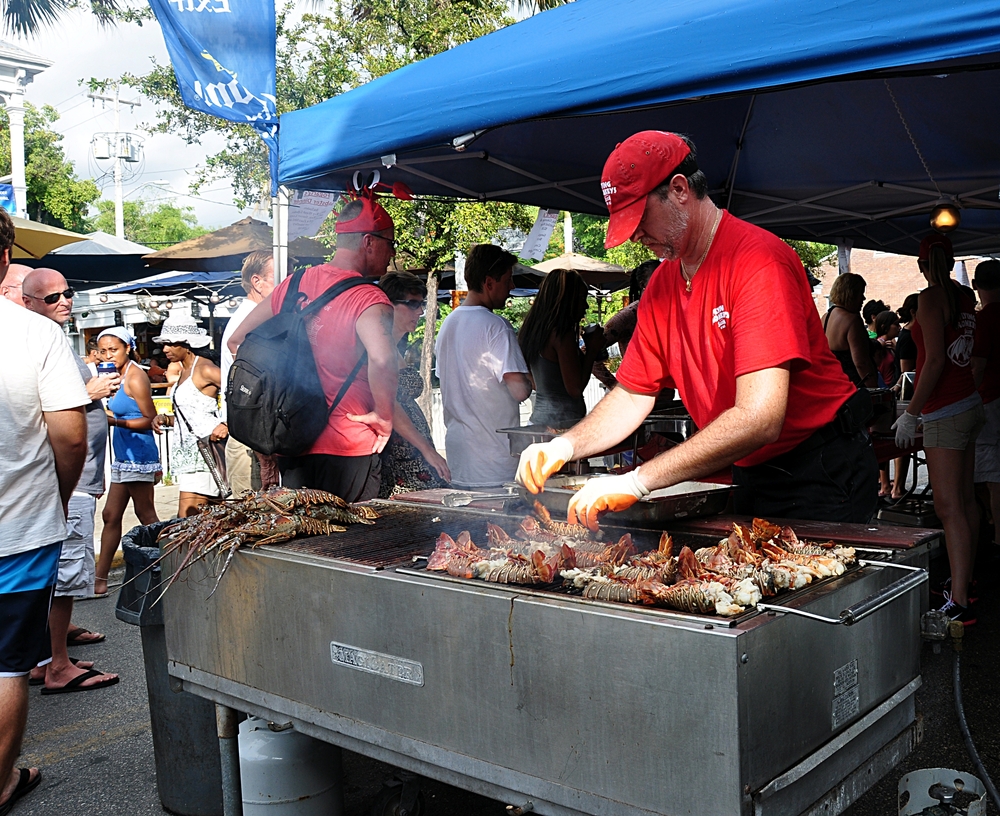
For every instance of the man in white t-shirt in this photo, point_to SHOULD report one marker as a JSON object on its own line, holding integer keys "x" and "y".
{"x": 257, "y": 279}
{"x": 43, "y": 445}
{"x": 482, "y": 372}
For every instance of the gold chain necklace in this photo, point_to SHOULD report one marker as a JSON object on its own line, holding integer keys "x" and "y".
{"x": 704, "y": 254}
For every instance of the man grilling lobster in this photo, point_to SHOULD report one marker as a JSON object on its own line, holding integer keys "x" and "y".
{"x": 729, "y": 321}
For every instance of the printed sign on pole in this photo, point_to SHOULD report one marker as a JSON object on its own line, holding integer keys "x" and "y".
{"x": 307, "y": 211}
{"x": 538, "y": 239}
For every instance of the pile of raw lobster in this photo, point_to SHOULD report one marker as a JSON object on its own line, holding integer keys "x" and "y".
{"x": 269, "y": 516}
{"x": 752, "y": 563}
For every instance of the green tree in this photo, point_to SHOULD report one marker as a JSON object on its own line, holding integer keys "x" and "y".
{"x": 155, "y": 227}
{"x": 318, "y": 57}
{"x": 325, "y": 54}
{"x": 812, "y": 254}
{"x": 55, "y": 195}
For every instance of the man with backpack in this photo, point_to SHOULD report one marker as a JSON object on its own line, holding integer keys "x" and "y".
{"x": 351, "y": 342}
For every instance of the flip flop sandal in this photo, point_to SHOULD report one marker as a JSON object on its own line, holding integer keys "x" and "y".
{"x": 38, "y": 681}
{"x": 25, "y": 785}
{"x": 76, "y": 684}
{"x": 73, "y": 637}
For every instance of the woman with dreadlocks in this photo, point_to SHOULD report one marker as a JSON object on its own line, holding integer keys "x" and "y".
{"x": 550, "y": 342}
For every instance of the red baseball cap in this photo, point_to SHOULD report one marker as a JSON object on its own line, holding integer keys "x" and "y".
{"x": 373, "y": 218}
{"x": 933, "y": 240}
{"x": 636, "y": 167}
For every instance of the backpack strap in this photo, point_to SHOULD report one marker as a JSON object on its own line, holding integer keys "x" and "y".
{"x": 312, "y": 308}
{"x": 290, "y": 303}
{"x": 328, "y": 295}
{"x": 347, "y": 384}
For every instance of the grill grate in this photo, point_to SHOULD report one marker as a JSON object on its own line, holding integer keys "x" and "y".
{"x": 399, "y": 534}
{"x": 403, "y": 533}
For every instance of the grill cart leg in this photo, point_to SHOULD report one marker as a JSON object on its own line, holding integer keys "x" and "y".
{"x": 228, "y": 722}
{"x": 400, "y": 796}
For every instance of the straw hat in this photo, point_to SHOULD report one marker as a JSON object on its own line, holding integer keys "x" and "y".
{"x": 182, "y": 330}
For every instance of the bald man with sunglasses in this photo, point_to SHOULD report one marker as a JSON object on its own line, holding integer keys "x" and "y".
{"x": 46, "y": 293}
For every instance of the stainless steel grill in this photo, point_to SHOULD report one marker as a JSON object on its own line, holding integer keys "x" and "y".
{"x": 581, "y": 707}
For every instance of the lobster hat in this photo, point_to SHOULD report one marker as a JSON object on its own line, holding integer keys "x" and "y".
{"x": 634, "y": 169}
{"x": 373, "y": 218}
{"x": 933, "y": 240}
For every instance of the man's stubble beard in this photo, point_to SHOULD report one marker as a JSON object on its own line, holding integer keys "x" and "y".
{"x": 674, "y": 232}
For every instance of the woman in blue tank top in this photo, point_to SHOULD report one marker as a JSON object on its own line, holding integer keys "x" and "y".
{"x": 135, "y": 461}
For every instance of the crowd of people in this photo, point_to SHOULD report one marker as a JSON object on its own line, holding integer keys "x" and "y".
{"x": 788, "y": 411}
{"x": 951, "y": 348}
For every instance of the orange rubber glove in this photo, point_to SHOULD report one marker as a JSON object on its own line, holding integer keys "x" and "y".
{"x": 541, "y": 460}
{"x": 605, "y": 493}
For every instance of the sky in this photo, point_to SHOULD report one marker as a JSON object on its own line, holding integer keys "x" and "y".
{"x": 80, "y": 49}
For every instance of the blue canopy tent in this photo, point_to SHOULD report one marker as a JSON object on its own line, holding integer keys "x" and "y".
{"x": 833, "y": 120}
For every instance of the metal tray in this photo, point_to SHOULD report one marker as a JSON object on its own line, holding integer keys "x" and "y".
{"x": 519, "y": 438}
{"x": 684, "y": 500}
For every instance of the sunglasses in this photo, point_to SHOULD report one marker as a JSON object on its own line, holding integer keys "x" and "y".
{"x": 390, "y": 241}
{"x": 52, "y": 299}
{"x": 415, "y": 305}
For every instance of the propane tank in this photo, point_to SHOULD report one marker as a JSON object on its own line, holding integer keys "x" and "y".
{"x": 941, "y": 792}
{"x": 286, "y": 772}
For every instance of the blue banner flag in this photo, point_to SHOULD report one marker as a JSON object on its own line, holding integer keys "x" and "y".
{"x": 222, "y": 52}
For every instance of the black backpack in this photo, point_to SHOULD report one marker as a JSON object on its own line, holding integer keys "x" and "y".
{"x": 274, "y": 390}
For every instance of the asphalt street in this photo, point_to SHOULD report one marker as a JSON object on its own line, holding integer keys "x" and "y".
{"x": 96, "y": 751}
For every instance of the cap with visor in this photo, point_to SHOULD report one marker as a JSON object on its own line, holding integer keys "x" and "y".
{"x": 634, "y": 169}
{"x": 933, "y": 240}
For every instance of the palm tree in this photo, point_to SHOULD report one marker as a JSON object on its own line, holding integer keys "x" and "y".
{"x": 534, "y": 6}
{"x": 26, "y": 17}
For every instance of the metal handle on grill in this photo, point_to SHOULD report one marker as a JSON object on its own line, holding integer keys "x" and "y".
{"x": 862, "y": 609}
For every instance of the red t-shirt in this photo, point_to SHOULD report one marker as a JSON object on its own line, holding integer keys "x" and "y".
{"x": 750, "y": 308}
{"x": 956, "y": 382}
{"x": 987, "y": 345}
{"x": 336, "y": 349}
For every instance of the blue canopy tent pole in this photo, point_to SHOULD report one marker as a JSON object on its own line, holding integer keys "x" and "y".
{"x": 840, "y": 119}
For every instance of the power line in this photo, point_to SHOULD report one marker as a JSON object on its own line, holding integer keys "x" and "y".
{"x": 89, "y": 119}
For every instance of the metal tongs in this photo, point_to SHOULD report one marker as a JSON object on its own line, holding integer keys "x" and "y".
{"x": 461, "y": 499}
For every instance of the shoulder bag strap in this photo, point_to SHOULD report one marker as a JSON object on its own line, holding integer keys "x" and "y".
{"x": 180, "y": 413}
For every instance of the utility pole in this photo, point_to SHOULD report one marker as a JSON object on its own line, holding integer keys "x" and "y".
{"x": 119, "y": 148}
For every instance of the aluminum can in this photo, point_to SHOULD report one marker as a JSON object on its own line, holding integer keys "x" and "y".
{"x": 106, "y": 369}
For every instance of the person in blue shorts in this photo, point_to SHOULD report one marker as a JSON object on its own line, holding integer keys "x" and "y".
{"x": 43, "y": 445}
